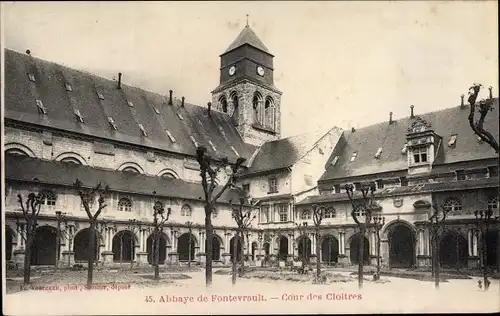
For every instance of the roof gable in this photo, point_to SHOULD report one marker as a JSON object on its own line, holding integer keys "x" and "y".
{"x": 50, "y": 87}
{"x": 247, "y": 36}
{"x": 391, "y": 137}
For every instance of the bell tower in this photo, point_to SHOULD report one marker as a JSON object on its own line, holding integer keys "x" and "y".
{"x": 246, "y": 90}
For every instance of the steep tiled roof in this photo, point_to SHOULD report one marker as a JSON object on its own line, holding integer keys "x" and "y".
{"x": 49, "y": 87}
{"x": 247, "y": 36}
{"x": 284, "y": 152}
{"x": 61, "y": 173}
{"x": 415, "y": 189}
{"x": 391, "y": 137}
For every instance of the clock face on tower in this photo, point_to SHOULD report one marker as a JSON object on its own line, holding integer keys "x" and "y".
{"x": 232, "y": 70}
{"x": 260, "y": 71}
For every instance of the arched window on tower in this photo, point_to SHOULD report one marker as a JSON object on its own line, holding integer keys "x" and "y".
{"x": 257, "y": 111}
{"x": 234, "y": 97}
{"x": 270, "y": 113}
{"x": 223, "y": 104}
{"x": 124, "y": 205}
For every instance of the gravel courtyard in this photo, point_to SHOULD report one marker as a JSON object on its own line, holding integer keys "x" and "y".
{"x": 250, "y": 296}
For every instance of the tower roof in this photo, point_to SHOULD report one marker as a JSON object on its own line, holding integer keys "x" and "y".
{"x": 247, "y": 36}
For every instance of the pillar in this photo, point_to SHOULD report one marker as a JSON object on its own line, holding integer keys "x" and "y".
{"x": 202, "y": 247}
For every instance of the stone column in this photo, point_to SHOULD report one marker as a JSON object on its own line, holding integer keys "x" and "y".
{"x": 202, "y": 251}
{"x": 107, "y": 255}
{"x": 173, "y": 255}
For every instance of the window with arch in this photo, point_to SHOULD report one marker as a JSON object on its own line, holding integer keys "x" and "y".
{"x": 493, "y": 203}
{"x": 452, "y": 205}
{"x": 257, "y": 112}
{"x": 223, "y": 104}
{"x": 15, "y": 152}
{"x": 49, "y": 198}
{"x": 186, "y": 210}
{"x": 282, "y": 212}
{"x": 330, "y": 213}
{"x": 269, "y": 113}
{"x": 125, "y": 205}
{"x": 71, "y": 160}
{"x": 168, "y": 175}
{"x": 130, "y": 169}
{"x": 306, "y": 214}
{"x": 234, "y": 97}
{"x": 360, "y": 211}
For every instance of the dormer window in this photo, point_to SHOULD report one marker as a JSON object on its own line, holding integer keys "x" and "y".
{"x": 41, "y": 108}
{"x": 378, "y": 153}
{"x": 212, "y": 145}
{"x": 194, "y": 141}
{"x": 404, "y": 149}
{"x": 31, "y": 77}
{"x": 460, "y": 175}
{"x": 453, "y": 141}
{"x": 112, "y": 123}
{"x": 334, "y": 161}
{"x": 143, "y": 131}
{"x": 79, "y": 116}
{"x": 172, "y": 139}
{"x": 273, "y": 185}
{"x": 68, "y": 87}
{"x": 130, "y": 103}
{"x": 156, "y": 110}
{"x": 420, "y": 155}
{"x": 354, "y": 155}
{"x": 199, "y": 122}
{"x": 100, "y": 96}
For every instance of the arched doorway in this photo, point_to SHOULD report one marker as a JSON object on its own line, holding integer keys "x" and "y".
{"x": 43, "y": 250}
{"x": 82, "y": 247}
{"x": 330, "y": 249}
{"x": 254, "y": 250}
{"x": 283, "y": 248}
{"x": 215, "y": 248}
{"x": 354, "y": 246}
{"x": 238, "y": 249}
{"x": 453, "y": 251}
{"x": 304, "y": 248}
{"x": 186, "y": 246}
{"x": 9, "y": 238}
{"x": 401, "y": 247}
{"x": 150, "y": 243}
{"x": 492, "y": 248}
{"x": 124, "y": 246}
{"x": 267, "y": 247}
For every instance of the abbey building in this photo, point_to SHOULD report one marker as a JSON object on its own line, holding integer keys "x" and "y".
{"x": 62, "y": 124}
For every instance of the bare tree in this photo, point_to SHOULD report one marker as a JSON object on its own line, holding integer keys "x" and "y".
{"x": 87, "y": 196}
{"x": 363, "y": 205}
{"x": 30, "y": 213}
{"x": 483, "y": 222}
{"x": 242, "y": 215}
{"x": 189, "y": 226}
{"x": 209, "y": 169}
{"x": 303, "y": 233}
{"x": 485, "y": 106}
{"x": 318, "y": 215}
{"x": 437, "y": 223}
{"x": 159, "y": 220}
{"x": 378, "y": 222}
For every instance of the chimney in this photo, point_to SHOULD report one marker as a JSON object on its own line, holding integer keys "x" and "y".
{"x": 182, "y": 101}
{"x": 411, "y": 111}
{"x": 491, "y": 92}
{"x": 390, "y": 117}
{"x": 209, "y": 104}
{"x": 462, "y": 105}
{"x": 353, "y": 129}
{"x": 119, "y": 80}
{"x": 28, "y": 52}
{"x": 170, "y": 97}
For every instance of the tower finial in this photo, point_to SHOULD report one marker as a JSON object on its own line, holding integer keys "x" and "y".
{"x": 247, "y": 19}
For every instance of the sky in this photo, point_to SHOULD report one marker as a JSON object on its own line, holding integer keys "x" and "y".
{"x": 344, "y": 64}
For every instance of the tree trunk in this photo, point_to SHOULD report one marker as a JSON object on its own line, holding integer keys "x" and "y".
{"x": 27, "y": 251}
{"x": 485, "y": 262}
{"x": 235, "y": 257}
{"x": 242, "y": 252}
{"x": 90, "y": 269}
{"x": 360, "y": 257}
{"x": 58, "y": 243}
{"x": 436, "y": 259}
{"x": 208, "y": 250}
{"x": 378, "y": 253}
{"x": 318, "y": 249}
{"x": 156, "y": 258}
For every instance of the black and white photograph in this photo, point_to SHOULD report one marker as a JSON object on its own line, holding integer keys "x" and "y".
{"x": 250, "y": 157}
